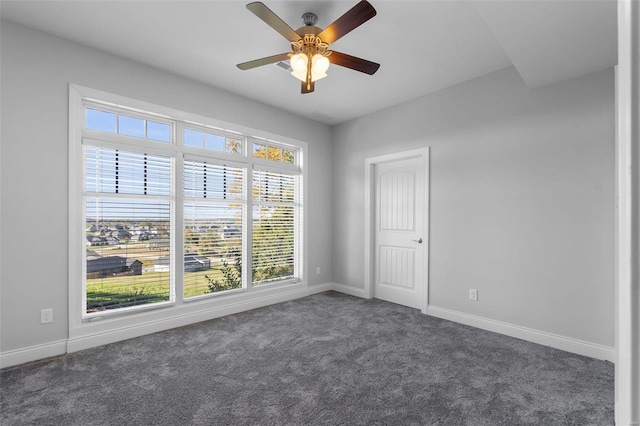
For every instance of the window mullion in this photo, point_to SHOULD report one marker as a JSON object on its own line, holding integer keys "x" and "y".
{"x": 178, "y": 257}
{"x": 247, "y": 243}
{"x": 298, "y": 234}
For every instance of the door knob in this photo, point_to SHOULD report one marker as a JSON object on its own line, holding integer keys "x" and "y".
{"x": 419, "y": 240}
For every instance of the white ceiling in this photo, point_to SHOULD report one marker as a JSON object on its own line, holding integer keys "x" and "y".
{"x": 422, "y": 46}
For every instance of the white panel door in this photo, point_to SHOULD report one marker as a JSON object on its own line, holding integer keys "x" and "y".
{"x": 399, "y": 237}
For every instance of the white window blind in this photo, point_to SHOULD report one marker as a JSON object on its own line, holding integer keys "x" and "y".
{"x": 127, "y": 211}
{"x": 214, "y": 206}
{"x": 123, "y": 172}
{"x": 274, "y": 226}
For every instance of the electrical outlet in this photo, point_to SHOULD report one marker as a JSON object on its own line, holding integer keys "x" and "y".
{"x": 46, "y": 316}
{"x": 473, "y": 294}
{"x": 318, "y": 270}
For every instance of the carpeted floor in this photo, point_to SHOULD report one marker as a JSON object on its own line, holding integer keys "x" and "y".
{"x": 328, "y": 359}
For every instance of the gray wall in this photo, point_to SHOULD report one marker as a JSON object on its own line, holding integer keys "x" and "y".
{"x": 522, "y": 198}
{"x": 35, "y": 74}
{"x": 522, "y": 186}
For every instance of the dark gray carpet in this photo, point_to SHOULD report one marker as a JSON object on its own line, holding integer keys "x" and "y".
{"x": 327, "y": 359}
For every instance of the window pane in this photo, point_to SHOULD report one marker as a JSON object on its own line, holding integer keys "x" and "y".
{"x": 215, "y": 142}
{"x": 193, "y": 138}
{"x": 158, "y": 131}
{"x": 131, "y": 126}
{"x": 123, "y": 172}
{"x": 259, "y": 151}
{"x": 213, "y": 181}
{"x": 273, "y": 243}
{"x": 273, "y": 254}
{"x": 233, "y": 146}
{"x": 273, "y": 187}
{"x": 288, "y": 156}
{"x": 126, "y": 241}
{"x": 212, "y": 247}
{"x": 212, "y": 227}
{"x": 100, "y": 120}
{"x": 274, "y": 153}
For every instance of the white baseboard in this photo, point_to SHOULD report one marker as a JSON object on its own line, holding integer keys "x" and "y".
{"x": 182, "y": 319}
{"x": 60, "y": 347}
{"x": 32, "y": 353}
{"x": 347, "y": 289}
{"x": 90, "y": 340}
{"x": 568, "y": 344}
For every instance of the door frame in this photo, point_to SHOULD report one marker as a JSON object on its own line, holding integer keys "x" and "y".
{"x": 369, "y": 217}
{"x": 627, "y": 366}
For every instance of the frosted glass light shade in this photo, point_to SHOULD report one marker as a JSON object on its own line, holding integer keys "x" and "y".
{"x": 299, "y": 62}
{"x": 319, "y": 66}
{"x": 320, "y": 63}
{"x": 300, "y": 75}
{"x": 315, "y": 76}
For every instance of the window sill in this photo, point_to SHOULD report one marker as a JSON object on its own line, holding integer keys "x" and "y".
{"x": 120, "y": 312}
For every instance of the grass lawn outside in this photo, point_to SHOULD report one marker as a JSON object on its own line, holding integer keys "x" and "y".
{"x": 150, "y": 287}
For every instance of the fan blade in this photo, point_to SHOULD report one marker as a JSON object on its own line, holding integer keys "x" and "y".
{"x": 312, "y": 87}
{"x": 356, "y": 16}
{"x": 264, "y": 61}
{"x": 273, "y": 20}
{"x": 354, "y": 63}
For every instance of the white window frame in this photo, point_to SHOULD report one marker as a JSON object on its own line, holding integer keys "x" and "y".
{"x": 81, "y": 324}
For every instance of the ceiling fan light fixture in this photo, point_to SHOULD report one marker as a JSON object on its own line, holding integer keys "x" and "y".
{"x": 320, "y": 63}
{"x": 300, "y": 65}
{"x": 300, "y": 75}
{"x": 315, "y": 76}
{"x": 299, "y": 62}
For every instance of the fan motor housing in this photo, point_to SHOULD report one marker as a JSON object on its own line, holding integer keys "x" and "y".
{"x": 308, "y": 29}
{"x": 310, "y": 20}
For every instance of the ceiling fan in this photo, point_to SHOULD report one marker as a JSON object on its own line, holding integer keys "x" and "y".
{"x": 310, "y": 57}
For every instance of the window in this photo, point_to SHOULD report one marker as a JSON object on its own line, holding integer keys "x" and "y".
{"x": 273, "y": 153}
{"x": 213, "y": 141}
{"x": 274, "y": 216}
{"x": 126, "y": 125}
{"x": 214, "y": 210}
{"x": 127, "y": 196}
{"x": 173, "y": 211}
